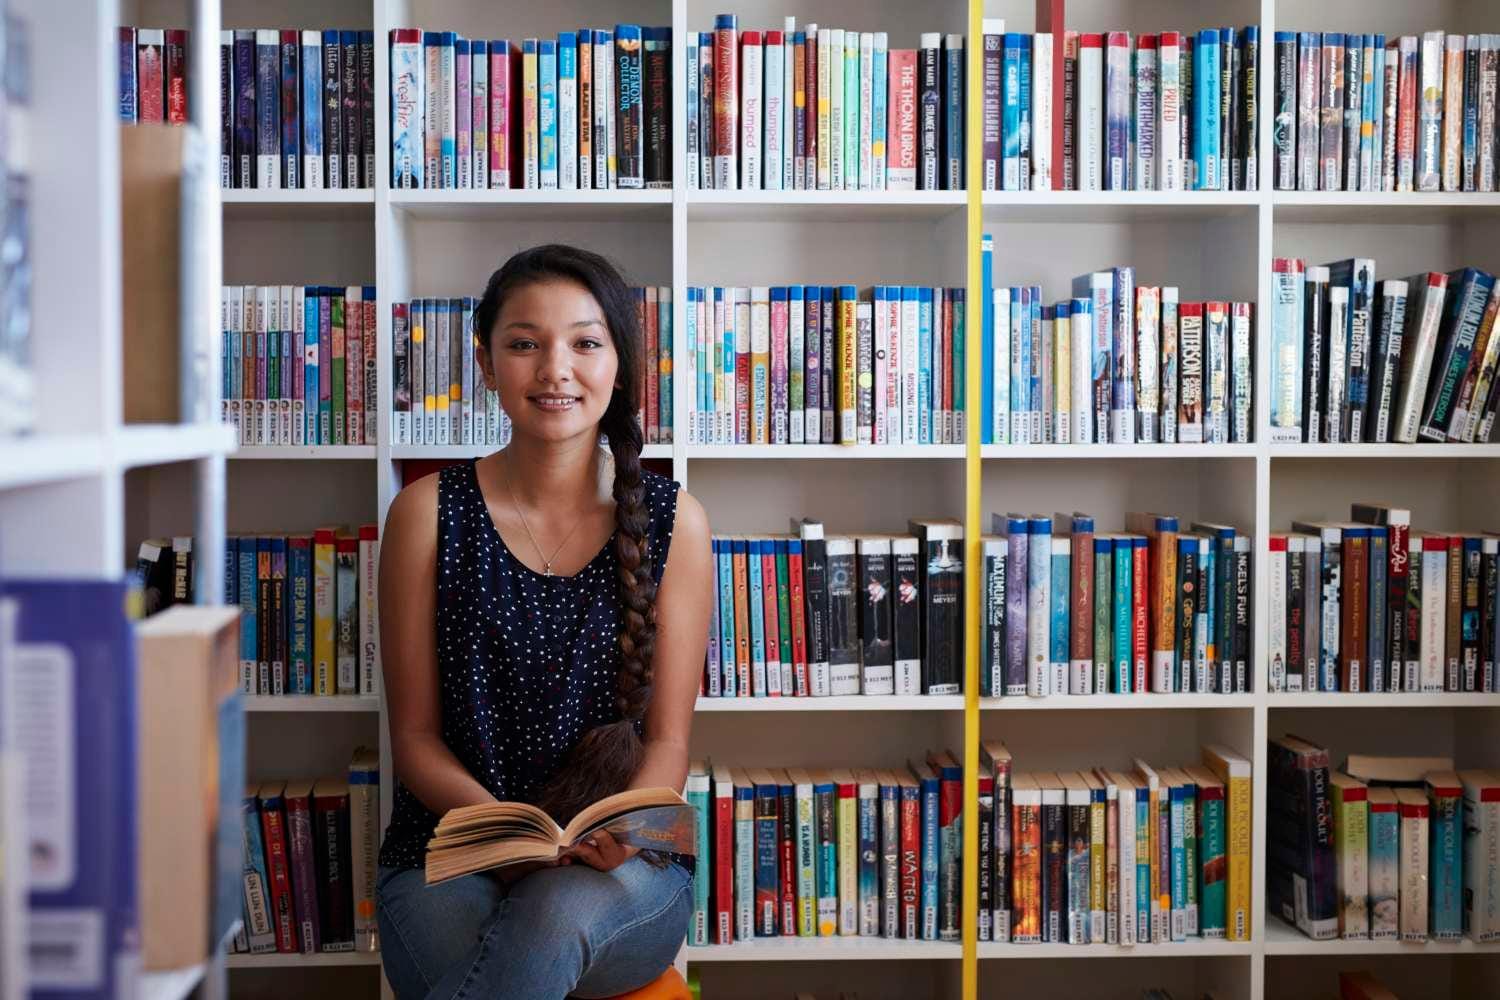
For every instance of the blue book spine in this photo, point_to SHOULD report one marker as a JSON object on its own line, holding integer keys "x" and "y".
{"x": 1024, "y": 127}
{"x": 828, "y": 859}
{"x": 299, "y": 586}
{"x": 231, "y": 571}
{"x": 1145, "y": 825}
{"x": 1037, "y": 362}
{"x": 1385, "y": 853}
{"x": 1179, "y": 862}
{"x": 1206, "y": 110}
{"x": 869, "y": 865}
{"x": 546, "y": 71}
{"x": 267, "y": 110}
{"x": 987, "y": 338}
{"x": 447, "y": 129}
{"x": 1445, "y": 863}
{"x": 663, "y": 364}
{"x": 726, "y": 619}
{"x": 291, "y": 107}
{"x": 312, "y": 110}
{"x": 126, "y": 63}
{"x": 1104, "y": 614}
{"x": 311, "y": 371}
{"x": 82, "y": 667}
{"x": 1123, "y": 641}
{"x": 930, "y": 858}
{"x": 1062, "y": 579}
{"x": 698, "y": 796}
{"x": 953, "y": 104}
{"x": 1039, "y": 607}
{"x": 1018, "y": 677}
{"x": 744, "y": 862}
{"x": 924, "y": 365}
{"x": 1371, "y": 111}
{"x": 755, "y": 549}
{"x": 258, "y": 929}
{"x": 1468, "y": 293}
{"x": 1010, "y": 162}
{"x": 1020, "y": 362}
{"x": 767, "y": 857}
{"x": 249, "y": 651}
{"x": 1122, "y": 350}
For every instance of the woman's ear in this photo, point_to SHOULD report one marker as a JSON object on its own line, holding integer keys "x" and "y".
{"x": 486, "y": 366}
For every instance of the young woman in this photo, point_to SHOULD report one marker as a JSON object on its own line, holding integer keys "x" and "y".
{"x": 544, "y": 615}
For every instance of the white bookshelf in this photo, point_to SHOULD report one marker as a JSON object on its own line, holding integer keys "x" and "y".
{"x": 1219, "y": 245}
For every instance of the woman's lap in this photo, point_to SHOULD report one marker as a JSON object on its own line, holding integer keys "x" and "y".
{"x": 562, "y": 930}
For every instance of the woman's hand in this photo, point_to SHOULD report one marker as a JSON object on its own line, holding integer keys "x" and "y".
{"x": 601, "y": 851}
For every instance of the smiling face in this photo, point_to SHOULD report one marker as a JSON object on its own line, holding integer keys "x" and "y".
{"x": 551, "y": 358}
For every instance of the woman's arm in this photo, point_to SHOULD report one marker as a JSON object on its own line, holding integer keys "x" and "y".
{"x": 408, "y": 622}
{"x": 683, "y": 608}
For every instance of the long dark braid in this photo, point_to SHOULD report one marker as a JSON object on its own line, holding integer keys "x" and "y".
{"x": 606, "y": 759}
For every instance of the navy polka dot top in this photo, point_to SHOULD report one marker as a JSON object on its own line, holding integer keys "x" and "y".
{"x": 526, "y": 663}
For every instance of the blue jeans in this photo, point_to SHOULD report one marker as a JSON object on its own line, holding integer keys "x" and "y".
{"x": 558, "y": 932}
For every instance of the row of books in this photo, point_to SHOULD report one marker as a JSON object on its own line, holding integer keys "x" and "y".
{"x": 153, "y": 74}
{"x": 308, "y": 611}
{"x": 1368, "y": 605}
{"x": 1142, "y": 856}
{"x": 439, "y": 394}
{"x": 831, "y": 364}
{"x": 1171, "y": 111}
{"x": 1071, "y": 611}
{"x": 164, "y": 572}
{"x": 824, "y": 853}
{"x": 588, "y": 109}
{"x": 823, "y": 109}
{"x": 310, "y": 862}
{"x": 1358, "y": 112}
{"x": 811, "y": 614}
{"x": 1116, "y": 363}
{"x": 298, "y": 364}
{"x": 297, "y": 109}
{"x": 1388, "y": 848}
{"x": 17, "y": 378}
{"x": 1357, "y": 360}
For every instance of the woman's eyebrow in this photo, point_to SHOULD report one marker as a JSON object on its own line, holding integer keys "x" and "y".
{"x": 528, "y": 325}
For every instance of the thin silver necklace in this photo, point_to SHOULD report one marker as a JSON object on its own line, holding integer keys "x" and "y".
{"x": 546, "y": 562}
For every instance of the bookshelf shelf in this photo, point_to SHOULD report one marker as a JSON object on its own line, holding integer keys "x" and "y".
{"x": 1116, "y": 206}
{"x": 1117, "y": 702}
{"x": 824, "y": 451}
{"x": 296, "y": 703}
{"x": 532, "y": 205}
{"x": 845, "y": 703}
{"x": 836, "y": 949}
{"x": 1362, "y": 207}
{"x": 333, "y": 452}
{"x": 1414, "y": 699}
{"x": 820, "y": 206}
{"x": 281, "y": 960}
{"x": 1176, "y": 949}
{"x": 49, "y": 458}
{"x": 253, "y": 205}
{"x": 442, "y": 452}
{"x": 1384, "y": 451}
{"x": 1017, "y": 452}
{"x": 160, "y": 444}
{"x": 1284, "y": 939}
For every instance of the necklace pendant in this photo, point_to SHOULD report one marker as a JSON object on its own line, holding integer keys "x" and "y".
{"x": 547, "y": 569}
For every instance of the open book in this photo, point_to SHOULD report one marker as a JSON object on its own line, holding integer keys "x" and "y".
{"x": 474, "y": 838}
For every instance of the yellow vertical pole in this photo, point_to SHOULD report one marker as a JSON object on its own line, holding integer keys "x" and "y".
{"x": 973, "y": 549}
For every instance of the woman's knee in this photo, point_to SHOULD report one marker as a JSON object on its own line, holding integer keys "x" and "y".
{"x": 426, "y": 930}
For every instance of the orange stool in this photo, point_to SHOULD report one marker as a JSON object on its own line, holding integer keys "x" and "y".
{"x": 668, "y": 986}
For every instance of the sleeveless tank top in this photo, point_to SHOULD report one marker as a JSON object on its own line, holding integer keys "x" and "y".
{"x": 526, "y": 662}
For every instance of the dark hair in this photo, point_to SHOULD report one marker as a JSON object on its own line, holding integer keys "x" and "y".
{"x": 607, "y": 757}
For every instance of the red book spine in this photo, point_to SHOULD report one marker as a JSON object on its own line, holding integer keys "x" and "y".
{"x": 1406, "y": 124}
{"x": 799, "y": 624}
{"x": 1398, "y": 552}
{"x": 273, "y": 828}
{"x": 1139, "y": 575}
{"x": 174, "y": 74}
{"x": 901, "y": 131}
{"x": 1353, "y": 629}
{"x": 726, "y": 124}
{"x": 911, "y": 864}
{"x": 723, "y": 866}
{"x": 148, "y": 76}
{"x": 1050, "y": 18}
{"x": 771, "y": 618}
{"x": 1081, "y": 610}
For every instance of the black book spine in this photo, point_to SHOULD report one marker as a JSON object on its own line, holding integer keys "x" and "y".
{"x": 986, "y": 847}
{"x": 335, "y": 899}
{"x": 658, "y": 82}
{"x": 1229, "y": 123}
{"x": 1187, "y": 612}
{"x": 244, "y": 109}
{"x": 815, "y": 597}
{"x": 1490, "y": 594}
{"x": 992, "y": 680}
{"x": 1284, "y": 134}
{"x": 930, "y": 97}
{"x": 226, "y": 115}
{"x": 367, "y": 110}
{"x": 1249, "y": 114}
{"x": 1001, "y": 857}
{"x": 1054, "y": 873}
{"x": 1296, "y": 610}
{"x": 1470, "y": 162}
{"x": 333, "y": 118}
{"x": 353, "y": 123}
{"x": 942, "y": 646}
{"x": 1473, "y": 576}
{"x": 1313, "y": 348}
{"x": 1224, "y": 613}
{"x": 1242, "y": 633}
{"x": 1386, "y": 360}
{"x": 875, "y": 619}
